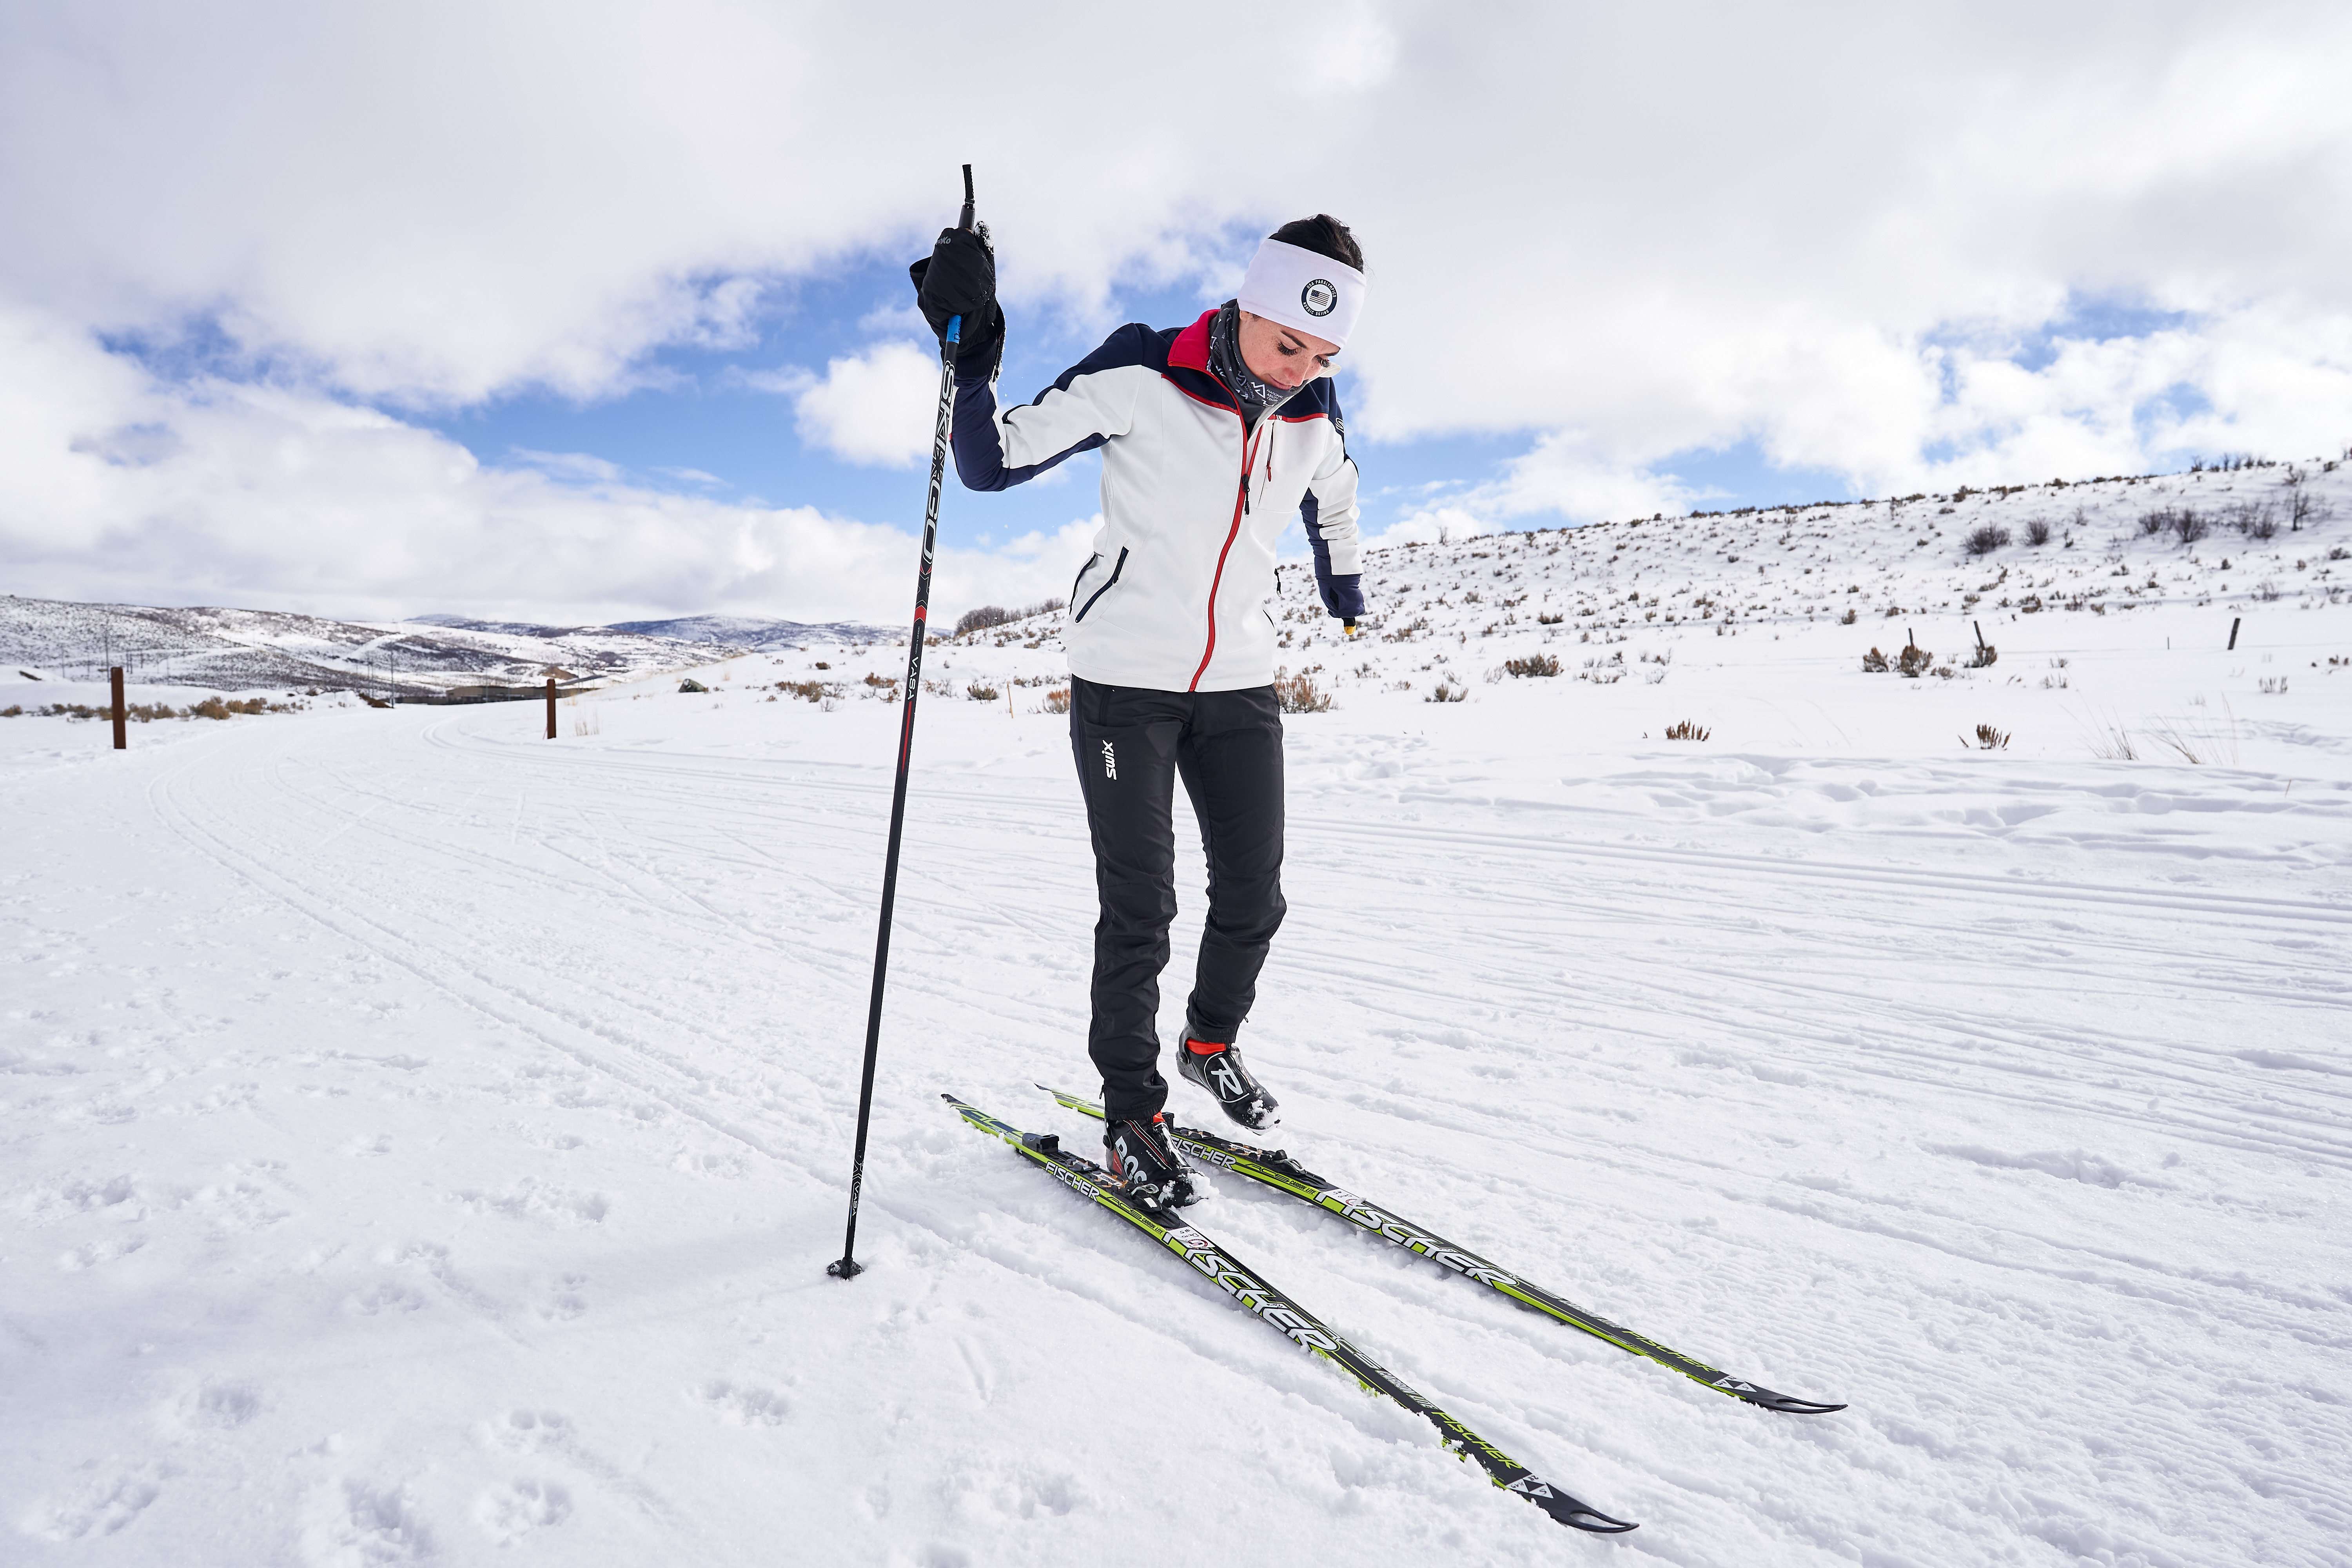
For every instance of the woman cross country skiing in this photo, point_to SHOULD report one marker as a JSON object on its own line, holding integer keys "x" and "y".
{"x": 1211, "y": 436}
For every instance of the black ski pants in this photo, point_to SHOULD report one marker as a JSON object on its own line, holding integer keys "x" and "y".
{"x": 1131, "y": 745}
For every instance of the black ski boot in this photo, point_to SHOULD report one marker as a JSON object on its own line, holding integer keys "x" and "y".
{"x": 1140, "y": 1154}
{"x": 1219, "y": 1070}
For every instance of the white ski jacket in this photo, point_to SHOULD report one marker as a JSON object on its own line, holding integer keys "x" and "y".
{"x": 1175, "y": 595}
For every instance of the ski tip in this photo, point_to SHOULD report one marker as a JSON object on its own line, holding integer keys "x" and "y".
{"x": 1073, "y": 1101}
{"x": 1770, "y": 1399}
{"x": 1566, "y": 1510}
{"x": 1592, "y": 1521}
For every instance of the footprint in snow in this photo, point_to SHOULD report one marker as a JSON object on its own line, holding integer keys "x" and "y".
{"x": 100, "y": 1506}
{"x": 354, "y": 1521}
{"x": 745, "y": 1404}
{"x": 509, "y": 1512}
{"x": 566, "y": 1302}
{"x": 218, "y": 1405}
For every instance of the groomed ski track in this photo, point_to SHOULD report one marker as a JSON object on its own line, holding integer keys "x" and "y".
{"x": 425, "y": 1142}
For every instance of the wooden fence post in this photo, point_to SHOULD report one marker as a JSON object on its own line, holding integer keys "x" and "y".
{"x": 2233, "y": 633}
{"x": 121, "y": 735}
{"x": 550, "y": 708}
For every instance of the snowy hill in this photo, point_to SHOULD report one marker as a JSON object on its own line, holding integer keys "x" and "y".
{"x": 2125, "y": 615}
{"x": 237, "y": 650}
{"x": 2260, "y": 541}
{"x": 756, "y": 633}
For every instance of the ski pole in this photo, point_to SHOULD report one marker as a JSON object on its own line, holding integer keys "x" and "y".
{"x": 847, "y": 1266}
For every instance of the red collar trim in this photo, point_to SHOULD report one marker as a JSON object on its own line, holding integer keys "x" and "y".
{"x": 1190, "y": 349}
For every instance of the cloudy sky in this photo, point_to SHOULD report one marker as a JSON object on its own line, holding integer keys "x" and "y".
{"x": 580, "y": 311}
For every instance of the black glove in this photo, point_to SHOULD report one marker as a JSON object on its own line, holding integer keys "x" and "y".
{"x": 958, "y": 278}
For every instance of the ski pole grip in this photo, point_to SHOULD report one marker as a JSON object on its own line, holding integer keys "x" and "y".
{"x": 955, "y": 330}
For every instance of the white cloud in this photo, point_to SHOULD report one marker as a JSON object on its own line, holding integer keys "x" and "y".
{"x": 272, "y": 498}
{"x": 877, "y": 407}
{"x": 1625, "y": 232}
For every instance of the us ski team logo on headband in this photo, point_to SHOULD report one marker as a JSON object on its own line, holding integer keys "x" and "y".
{"x": 1319, "y": 298}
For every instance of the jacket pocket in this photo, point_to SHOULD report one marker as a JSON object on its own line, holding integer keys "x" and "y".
{"x": 1109, "y": 584}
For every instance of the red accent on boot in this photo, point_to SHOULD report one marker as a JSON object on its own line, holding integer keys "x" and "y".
{"x": 1206, "y": 1048}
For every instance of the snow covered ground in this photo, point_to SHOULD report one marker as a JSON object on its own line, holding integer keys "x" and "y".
{"x": 421, "y": 1142}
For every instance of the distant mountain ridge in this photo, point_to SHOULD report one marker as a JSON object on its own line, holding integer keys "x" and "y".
{"x": 756, "y": 633}
{"x": 226, "y": 649}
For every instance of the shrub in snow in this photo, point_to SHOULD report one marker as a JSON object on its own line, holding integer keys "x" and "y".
{"x": 1534, "y": 664}
{"x": 2302, "y": 507}
{"x": 980, "y": 693}
{"x": 1446, "y": 691}
{"x": 221, "y": 708}
{"x": 1986, "y": 654}
{"x": 1687, "y": 731}
{"x": 1989, "y": 537}
{"x": 1297, "y": 694}
{"x": 1991, "y": 739}
{"x": 1059, "y": 700}
{"x": 989, "y": 616}
{"x": 1914, "y": 662}
{"x": 2037, "y": 533}
{"x": 1873, "y": 662}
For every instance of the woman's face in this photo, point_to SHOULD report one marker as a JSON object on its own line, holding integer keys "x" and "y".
{"x": 1283, "y": 356}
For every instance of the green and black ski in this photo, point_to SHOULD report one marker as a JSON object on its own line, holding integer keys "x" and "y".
{"x": 1279, "y": 1171}
{"x": 1245, "y": 1286}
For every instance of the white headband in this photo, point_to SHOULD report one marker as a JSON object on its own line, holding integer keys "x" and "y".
{"x": 1304, "y": 290}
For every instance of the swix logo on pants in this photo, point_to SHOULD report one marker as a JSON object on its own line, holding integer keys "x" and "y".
{"x": 1110, "y": 761}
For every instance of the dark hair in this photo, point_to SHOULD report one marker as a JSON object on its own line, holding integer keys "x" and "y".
{"x": 1325, "y": 235}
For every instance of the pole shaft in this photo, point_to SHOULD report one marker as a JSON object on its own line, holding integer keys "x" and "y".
{"x": 847, "y": 1266}
{"x": 121, "y": 736}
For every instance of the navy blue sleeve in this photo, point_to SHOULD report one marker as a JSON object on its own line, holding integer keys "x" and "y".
{"x": 980, "y": 447}
{"x": 1342, "y": 592}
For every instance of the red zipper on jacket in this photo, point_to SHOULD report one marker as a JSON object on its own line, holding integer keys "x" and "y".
{"x": 1241, "y": 504}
